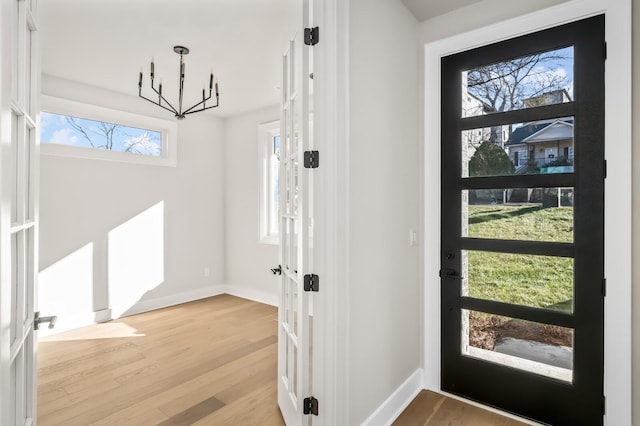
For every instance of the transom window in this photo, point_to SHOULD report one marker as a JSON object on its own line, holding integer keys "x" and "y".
{"x": 74, "y": 129}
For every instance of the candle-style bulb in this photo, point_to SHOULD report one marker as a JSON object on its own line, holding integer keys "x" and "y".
{"x": 160, "y": 89}
{"x": 152, "y": 68}
{"x": 211, "y": 81}
{"x": 140, "y": 80}
{"x": 216, "y": 89}
{"x": 203, "y": 97}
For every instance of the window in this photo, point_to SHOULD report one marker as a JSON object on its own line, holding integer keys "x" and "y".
{"x": 80, "y": 130}
{"x": 269, "y": 149}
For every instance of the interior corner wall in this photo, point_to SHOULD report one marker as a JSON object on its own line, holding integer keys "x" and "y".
{"x": 384, "y": 180}
{"x": 248, "y": 261}
{"x": 636, "y": 213}
{"x": 83, "y": 202}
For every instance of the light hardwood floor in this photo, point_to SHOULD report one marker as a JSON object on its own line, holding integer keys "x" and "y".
{"x": 209, "y": 362}
{"x": 433, "y": 409}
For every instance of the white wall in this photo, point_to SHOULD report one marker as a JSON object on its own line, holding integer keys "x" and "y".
{"x": 384, "y": 151}
{"x": 248, "y": 262}
{"x": 83, "y": 202}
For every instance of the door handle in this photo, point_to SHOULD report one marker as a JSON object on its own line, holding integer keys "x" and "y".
{"x": 40, "y": 320}
{"x": 449, "y": 273}
{"x": 277, "y": 271}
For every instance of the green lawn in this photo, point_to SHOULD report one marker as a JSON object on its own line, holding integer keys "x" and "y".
{"x": 537, "y": 281}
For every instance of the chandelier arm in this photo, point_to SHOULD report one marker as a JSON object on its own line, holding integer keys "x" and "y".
{"x": 198, "y": 104}
{"x": 163, "y": 99}
{"x": 202, "y": 109}
{"x": 156, "y": 103}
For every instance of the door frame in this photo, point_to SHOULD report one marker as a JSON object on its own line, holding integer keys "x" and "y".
{"x": 618, "y": 122}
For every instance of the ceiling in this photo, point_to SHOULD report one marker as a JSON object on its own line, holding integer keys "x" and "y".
{"x": 106, "y": 43}
{"x": 427, "y": 9}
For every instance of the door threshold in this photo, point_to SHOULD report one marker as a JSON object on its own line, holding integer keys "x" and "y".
{"x": 488, "y": 408}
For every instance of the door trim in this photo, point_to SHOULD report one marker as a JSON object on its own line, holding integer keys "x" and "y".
{"x": 618, "y": 122}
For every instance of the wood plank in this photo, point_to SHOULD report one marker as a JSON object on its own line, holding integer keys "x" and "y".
{"x": 166, "y": 366}
{"x": 431, "y": 409}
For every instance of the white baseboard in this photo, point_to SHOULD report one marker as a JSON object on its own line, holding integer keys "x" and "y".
{"x": 166, "y": 301}
{"x": 103, "y": 315}
{"x": 88, "y": 318}
{"x": 251, "y": 294}
{"x": 390, "y": 409}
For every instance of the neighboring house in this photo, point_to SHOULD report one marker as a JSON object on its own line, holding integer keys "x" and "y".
{"x": 542, "y": 143}
{"x": 550, "y": 98}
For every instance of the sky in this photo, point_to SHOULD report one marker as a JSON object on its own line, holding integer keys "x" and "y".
{"x": 57, "y": 129}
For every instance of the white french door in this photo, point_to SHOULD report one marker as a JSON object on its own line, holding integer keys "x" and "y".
{"x": 294, "y": 332}
{"x": 18, "y": 210}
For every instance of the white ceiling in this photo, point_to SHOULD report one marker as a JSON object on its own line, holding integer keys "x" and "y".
{"x": 427, "y": 9}
{"x": 105, "y": 43}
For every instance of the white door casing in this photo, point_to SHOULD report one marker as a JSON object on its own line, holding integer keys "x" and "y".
{"x": 19, "y": 82}
{"x": 295, "y": 220}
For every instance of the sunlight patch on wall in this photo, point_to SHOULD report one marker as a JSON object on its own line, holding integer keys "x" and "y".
{"x": 65, "y": 289}
{"x": 136, "y": 258}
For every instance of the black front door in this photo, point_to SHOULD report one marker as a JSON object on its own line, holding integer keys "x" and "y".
{"x": 522, "y": 249}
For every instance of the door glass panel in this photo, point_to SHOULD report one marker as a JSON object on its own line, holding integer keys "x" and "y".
{"x": 13, "y": 382}
{"x": 536, "y": 281}
{"x": 528, "y": 214}
{"x": 538, "y": 147}
{"x": 28, "y": 182}
{"x": 294, "y": 376}
{"x": 538, "y": 79}
{"x": 28, "y": 75}
{"x": 538, "y": 348}
{"x": 15, "y": 286}
{"x": 15, "y": 169}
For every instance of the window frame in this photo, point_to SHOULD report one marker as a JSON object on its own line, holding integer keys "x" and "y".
{"x": 168, "y": 130}
{"x": 266, "y": 134}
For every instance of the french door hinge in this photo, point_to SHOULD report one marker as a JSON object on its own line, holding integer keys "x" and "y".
{"x": 604, "y": 287}
{"x": 604, "y": 405}
{"x": 310, "y": 406}
{"x": 311, "y": 36}
{"x": 311, "y": 282}
{"x": 604, "y": 169}
{"x": 604, "y": 50}
{"x": 311, "y": 159}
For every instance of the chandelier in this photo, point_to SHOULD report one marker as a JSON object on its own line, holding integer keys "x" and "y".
{"x": 163, "y": 103}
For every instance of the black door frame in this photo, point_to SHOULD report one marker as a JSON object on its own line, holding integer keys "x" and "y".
{"x": 530, "y": 395}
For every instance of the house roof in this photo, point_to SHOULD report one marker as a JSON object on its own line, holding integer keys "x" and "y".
{"x": 541, "y": 131}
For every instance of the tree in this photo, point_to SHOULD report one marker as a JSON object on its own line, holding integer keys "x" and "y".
{"x": 104, "y": 130}
{"x": 490, "y": 160}
{"x": 505, "y": 86}
{"x": 103, "y": 135}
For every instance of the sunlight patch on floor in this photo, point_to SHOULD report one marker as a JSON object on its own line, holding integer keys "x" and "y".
{"x": 110, "y": 330}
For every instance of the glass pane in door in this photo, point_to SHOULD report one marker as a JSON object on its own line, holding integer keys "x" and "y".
{"x": 537, "y": 79}
{"x": 536, "y": 147}
{"x": 544, "y": 282}
{"x": 526, "y": 214}
{"x": 538, "y": 348}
